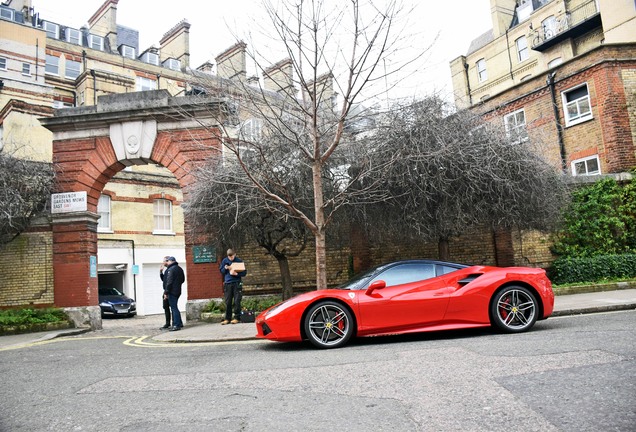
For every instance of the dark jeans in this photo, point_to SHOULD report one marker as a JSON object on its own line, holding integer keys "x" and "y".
{"x": 176, "y": 315}
{"x": 166, "y": 310}
{"x": 233, "y": 292}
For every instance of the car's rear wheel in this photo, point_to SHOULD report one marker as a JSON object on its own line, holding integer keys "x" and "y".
{"x": 514, "y": 309}
{"x": 328, "y": 324}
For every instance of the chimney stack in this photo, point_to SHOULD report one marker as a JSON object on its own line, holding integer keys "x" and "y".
{"x": 502, "y": 12}
{"x": 176, "y": 44}
{"x": 231, "y": 64}
{"x": 280, "y": 77}
{"x": 104, "y": 23}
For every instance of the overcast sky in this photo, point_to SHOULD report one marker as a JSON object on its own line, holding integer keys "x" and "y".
{"x": 454, "y": 22}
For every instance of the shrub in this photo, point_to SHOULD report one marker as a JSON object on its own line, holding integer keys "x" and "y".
{"x": 601, "y": 220}
{"x": 593, "y": 269}
{"x": 16, "y": 317}
{"x": 253, "y": 303}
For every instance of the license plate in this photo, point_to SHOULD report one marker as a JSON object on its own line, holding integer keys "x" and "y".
{"x": 122, "y": 311}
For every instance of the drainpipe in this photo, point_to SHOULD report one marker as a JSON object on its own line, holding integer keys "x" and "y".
{"x": 470, "y": 93}
{"x": 94, "y": 87}
{"x": 555, "y": 108}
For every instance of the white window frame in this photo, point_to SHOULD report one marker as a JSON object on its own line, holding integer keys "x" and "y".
{"x": 515, "y": 125}
{"x": 252, "y": 130}
{"x": 584, "y": 162}
{"x": 151, "y": 58}
{"x": 71, "y": 62}
{"x": 52, "y": 66}
{"x": 549, "y": 27}
{"x": 104, "y": 210}
{"x": 59, "y": 104}
{"x": 172, "y": 63}
{"x": 162, "y": 217}
{"x": 26, "y": 69}
{"x": 127, "y": 51}
{"x": 3, "y": 63}
{"x": 52, "y": 30}
{"x": 482, "y": 71}
{"x": 92, "y": 39}
{"x": 145, "y": 84}
{"x": 73, "y": 36}
{"x": 581, "y": 102}
{"x": 523, "y": 53}
{"x": 7, "y": 13}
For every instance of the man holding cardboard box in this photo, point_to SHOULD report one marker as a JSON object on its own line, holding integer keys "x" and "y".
{"x": 233, "y": 269}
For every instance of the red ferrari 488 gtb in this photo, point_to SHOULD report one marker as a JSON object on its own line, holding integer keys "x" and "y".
{"x": 412, "y": 296}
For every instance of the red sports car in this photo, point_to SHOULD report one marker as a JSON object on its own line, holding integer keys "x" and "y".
{"x": 412, "y": 296}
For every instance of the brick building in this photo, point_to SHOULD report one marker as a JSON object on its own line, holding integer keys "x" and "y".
{"x": 562, "y": 73}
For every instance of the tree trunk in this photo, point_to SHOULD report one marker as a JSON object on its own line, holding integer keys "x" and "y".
{"x": 443, "y": 249}
{"x": 285, "y": 277}
{"x": 321, "y": 243}
{"x": 321, "y": 261}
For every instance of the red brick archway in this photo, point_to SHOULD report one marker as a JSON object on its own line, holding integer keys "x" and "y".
{"x": 92, "y": 144}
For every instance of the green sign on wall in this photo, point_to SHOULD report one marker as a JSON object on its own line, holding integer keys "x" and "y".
{"x": 204, "y": 254}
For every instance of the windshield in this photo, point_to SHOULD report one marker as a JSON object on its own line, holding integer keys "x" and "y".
{"x": 109, "y": 292}
{"x": 359, "y": 281}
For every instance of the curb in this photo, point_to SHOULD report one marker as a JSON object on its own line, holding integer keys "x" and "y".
{"x": 594, "y": 309}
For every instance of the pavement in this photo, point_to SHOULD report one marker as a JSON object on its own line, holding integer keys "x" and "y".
{"x": 196, "y": 332}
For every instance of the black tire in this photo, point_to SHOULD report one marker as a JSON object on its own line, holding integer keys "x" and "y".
{"x": 514, "y": 309}
{"x": 328, "y": 324}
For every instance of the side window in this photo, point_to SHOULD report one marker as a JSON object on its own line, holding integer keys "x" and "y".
{"x": 522, "y": 49}
{"x": 144, "y": 84}
{"x": 52, "y": 65}
{"x": 515, "y": 124}
{"x": 73, "y": 36}
{"x": 73, "y": 69}
{"x": 481, "y": 70}
{"x": 96, "y": 42}
{"x": 445, "y": 269}
{"x": 549, "y": 27}
{"x": 586, "y": 166}
{"x": 252, "y": 130}
{"x": 103, "y": 210}
{"x": 162, "y": 214}
{"x": 577, "y": 105}
{"x": 406, "y": 273}
{"x": 3, "y": 63}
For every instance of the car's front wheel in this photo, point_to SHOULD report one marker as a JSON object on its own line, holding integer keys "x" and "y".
{"x": 328, "y": 324}
{"x": 514, "y": 309}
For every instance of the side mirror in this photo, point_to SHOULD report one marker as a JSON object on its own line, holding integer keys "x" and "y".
{"x": 376, "y": 285}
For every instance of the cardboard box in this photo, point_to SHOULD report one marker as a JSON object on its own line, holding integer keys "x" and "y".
{"x": 237, "y": 267}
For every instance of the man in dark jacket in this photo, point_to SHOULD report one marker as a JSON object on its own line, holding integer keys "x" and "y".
{"x": 232, "y": 286}
{"x": 166, "y": 304}
{"x": 173, "y": 278}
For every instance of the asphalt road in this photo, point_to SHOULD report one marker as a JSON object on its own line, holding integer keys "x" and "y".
{"x": 574, "y": 373}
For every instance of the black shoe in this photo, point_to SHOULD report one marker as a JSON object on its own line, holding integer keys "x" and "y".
{"x": 167, "y": 326}
{"x": 175, "y": 328}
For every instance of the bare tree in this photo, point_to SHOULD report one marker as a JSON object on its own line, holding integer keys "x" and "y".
{"x": 25, "y": 186}
{"x": 334, "y": 50}
{"x": 453, "y": 173}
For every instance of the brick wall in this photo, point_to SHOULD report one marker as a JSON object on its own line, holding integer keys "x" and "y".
{"x": 609, "y": 74}
{"x": 27, "y": 271}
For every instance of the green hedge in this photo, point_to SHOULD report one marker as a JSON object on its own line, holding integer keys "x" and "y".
{"x": 15, "y": 317}
{"x": 253, "y": 303}
{"x": 593, "y": 269}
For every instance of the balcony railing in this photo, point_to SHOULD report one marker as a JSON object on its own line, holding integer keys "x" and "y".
{"x": 572, "y": 22}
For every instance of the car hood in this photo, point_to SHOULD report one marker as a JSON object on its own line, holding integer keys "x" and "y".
{"x": 115, "y": 299}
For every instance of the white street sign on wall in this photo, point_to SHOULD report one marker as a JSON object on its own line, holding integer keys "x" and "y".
{"x": 68, "y": 202}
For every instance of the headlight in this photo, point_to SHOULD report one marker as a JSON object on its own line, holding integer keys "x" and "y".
{"x": 105, "y": 304}
{"x": 132, "y": 303}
